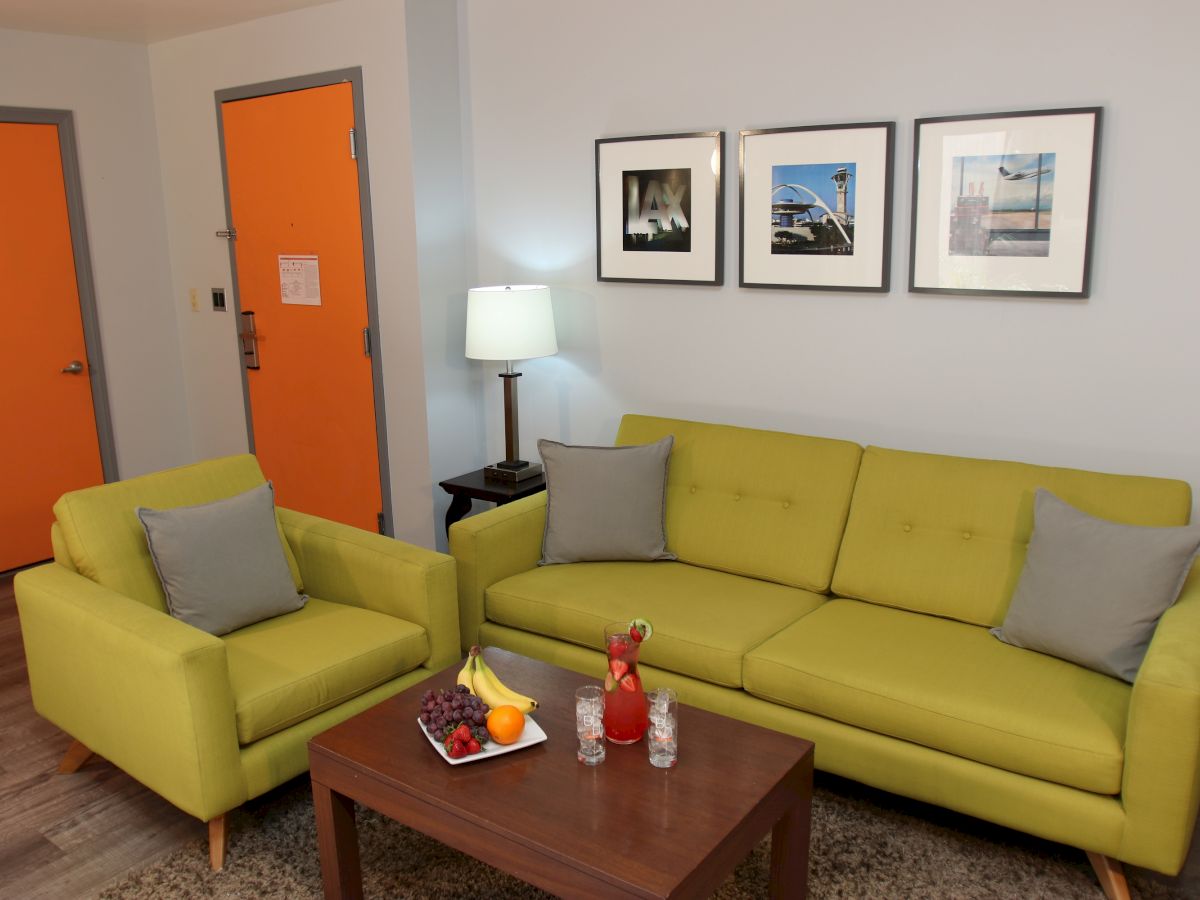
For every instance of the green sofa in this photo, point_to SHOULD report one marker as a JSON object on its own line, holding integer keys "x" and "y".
{"x": 845, "y": 595}
{"x": 209, "y": 722}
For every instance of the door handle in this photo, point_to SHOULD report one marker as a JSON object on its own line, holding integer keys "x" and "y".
{"x": 75, "y": 367}
{"x": 249, "y": 337}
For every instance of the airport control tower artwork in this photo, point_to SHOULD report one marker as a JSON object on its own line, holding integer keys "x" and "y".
{"x": 1001, "y": 204}
{"x": 812, "y": 208}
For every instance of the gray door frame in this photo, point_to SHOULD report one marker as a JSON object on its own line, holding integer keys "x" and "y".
{"x": 64, "y": 121}
{"x": 352, "y": 76}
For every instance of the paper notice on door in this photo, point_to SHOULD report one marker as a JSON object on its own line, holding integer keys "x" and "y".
{"x": 300, "y": 280}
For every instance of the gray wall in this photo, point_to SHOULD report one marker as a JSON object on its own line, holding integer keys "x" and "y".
{"x": 445, "y": 266}
{"x": 1106, "y": 383}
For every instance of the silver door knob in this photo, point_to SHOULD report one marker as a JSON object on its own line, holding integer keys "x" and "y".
{"x": 75, "y": 368}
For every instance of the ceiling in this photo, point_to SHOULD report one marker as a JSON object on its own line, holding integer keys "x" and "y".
{"x": 142, "y": 21}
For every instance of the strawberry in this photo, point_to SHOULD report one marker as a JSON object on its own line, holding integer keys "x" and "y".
{"x": 635, "y": 634}
{"x": 457, "y": 750}
{"x": 629, "y": 683}
{"x": 473, "y": 746}
{"x": 618, "y": 667}
{"x": 610, "y": 683}
{"x": 461, "y": 733}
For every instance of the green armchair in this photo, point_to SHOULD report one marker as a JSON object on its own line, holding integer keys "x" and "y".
{"x": 210, "y": 722}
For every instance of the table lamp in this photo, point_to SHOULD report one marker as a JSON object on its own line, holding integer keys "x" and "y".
{"x": 510, "y": 322}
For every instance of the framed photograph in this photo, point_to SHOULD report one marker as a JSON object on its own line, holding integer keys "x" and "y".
{"x": 816, "y": 207}
{"x": 1003, "y": 204}
{"x": 659, "y": 215}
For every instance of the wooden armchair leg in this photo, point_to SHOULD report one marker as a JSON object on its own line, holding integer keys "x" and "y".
{"x": 77, "y": 754}
{"x": 1111, "y": 876}
{"x": 218, "y": 840}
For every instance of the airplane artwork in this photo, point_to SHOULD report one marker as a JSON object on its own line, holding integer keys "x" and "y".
{"x": 1021, "y": 176}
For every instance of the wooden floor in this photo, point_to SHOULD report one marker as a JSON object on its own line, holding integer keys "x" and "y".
{"x": 68, "y": 836}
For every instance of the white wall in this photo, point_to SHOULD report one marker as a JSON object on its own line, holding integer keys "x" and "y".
{"x": 186, "y": 71}
{"x": 453, "y": 384}
{"x": 106, "y": 84}
{"x": 1109, "y": 383}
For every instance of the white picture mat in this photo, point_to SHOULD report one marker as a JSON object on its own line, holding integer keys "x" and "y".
{"x": 1070, "y": 137}
{"x": 867, "y": 149}
{"x": 699, "y": 264}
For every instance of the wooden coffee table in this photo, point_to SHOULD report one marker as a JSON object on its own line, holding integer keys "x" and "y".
{"x": 620, "y": 829}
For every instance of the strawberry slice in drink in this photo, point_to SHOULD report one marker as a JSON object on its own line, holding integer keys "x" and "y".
{"x": 618, "y": 668}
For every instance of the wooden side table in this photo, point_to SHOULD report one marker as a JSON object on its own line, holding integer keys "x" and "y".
{"x": 472, "y": 486}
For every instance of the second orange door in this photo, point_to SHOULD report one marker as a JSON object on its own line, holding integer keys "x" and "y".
{"x": 294, "y": 202}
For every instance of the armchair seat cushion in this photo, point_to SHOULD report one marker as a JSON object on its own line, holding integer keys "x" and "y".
{"x": 950, "y": 686}
{"x": 704, "y": 620}
{"x": 287, "y": 669}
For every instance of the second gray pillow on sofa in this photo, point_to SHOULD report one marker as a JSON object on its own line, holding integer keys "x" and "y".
{"x": 1092, "y": 591}
{"x": 605, "y": 503}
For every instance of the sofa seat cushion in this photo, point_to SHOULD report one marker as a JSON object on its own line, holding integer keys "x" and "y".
{"x": 704, "y": 621}
{"x": 949, "y": 686}
{"x": 288, "y": 669}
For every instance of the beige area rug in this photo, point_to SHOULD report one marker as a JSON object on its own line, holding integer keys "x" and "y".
{"x": 865, "y": 844}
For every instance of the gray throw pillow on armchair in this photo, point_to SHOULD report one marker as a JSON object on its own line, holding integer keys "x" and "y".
{"x": 605, "y": 503}
{"x": 222, "y": 564}
{"x": 1092, "y": 591}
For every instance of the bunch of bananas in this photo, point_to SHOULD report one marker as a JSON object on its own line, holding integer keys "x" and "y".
{"x": 481, "y": 681}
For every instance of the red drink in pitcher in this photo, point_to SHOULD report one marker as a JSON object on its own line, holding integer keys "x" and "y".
{"x": 625, "y": 717}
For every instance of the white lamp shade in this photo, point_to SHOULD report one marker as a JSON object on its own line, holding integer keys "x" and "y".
{"x": 513, "y": 321}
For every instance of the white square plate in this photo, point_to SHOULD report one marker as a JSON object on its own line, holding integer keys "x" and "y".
{"x": 532, "y": 734}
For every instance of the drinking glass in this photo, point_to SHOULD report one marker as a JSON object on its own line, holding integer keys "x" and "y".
{"x": 589, "y": 724}
{"x": 662, "y": 735}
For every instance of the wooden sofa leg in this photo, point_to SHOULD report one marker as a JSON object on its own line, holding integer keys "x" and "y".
{"x": 218, "y": 840}
{"x": 1111, "y": 875}
{"x": 77, "y": 754}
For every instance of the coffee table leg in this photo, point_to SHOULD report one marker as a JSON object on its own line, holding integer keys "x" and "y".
{"x": 337, "y": 840}
{"x": 790, "y": 839}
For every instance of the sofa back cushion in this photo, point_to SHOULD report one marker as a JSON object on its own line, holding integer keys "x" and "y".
{"x": 105, "y": 540}
{"x": 947, "y": 535}
{"x": 759, "y": 503}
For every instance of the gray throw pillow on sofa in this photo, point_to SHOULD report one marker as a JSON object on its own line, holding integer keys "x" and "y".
{"x": 1092, "y": 591}
{"x": 221, "y": 564}
{"x": 605, "y": 503}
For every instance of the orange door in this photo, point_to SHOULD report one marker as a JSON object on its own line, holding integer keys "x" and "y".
{"x": 294, "y": 202}
{"x": 50, "y": 444}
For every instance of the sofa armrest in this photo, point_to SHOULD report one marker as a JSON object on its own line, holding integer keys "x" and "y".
{"x": 347, "y": 565}
{"x": 145, "y": 691}
{"x": 490, "y": 547}
{"x": 1161, "y": 782}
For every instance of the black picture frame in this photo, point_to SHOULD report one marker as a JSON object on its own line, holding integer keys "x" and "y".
{"x": 1057, "y": 155}
{"x": 689, "y": 233}
{"x": 779, "y": 250}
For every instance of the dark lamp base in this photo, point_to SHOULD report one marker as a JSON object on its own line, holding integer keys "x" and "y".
{"x": 512, "y": 471}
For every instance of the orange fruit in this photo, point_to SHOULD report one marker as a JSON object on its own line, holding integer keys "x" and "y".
{"x": 505, "y": 724}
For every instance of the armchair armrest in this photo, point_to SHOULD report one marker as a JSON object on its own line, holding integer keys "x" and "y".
{"x": 147, "y": 692}
{"x": 347, "y": 565}
{"x": 1161, "y": 783}
{"x": 490, "y": 547}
